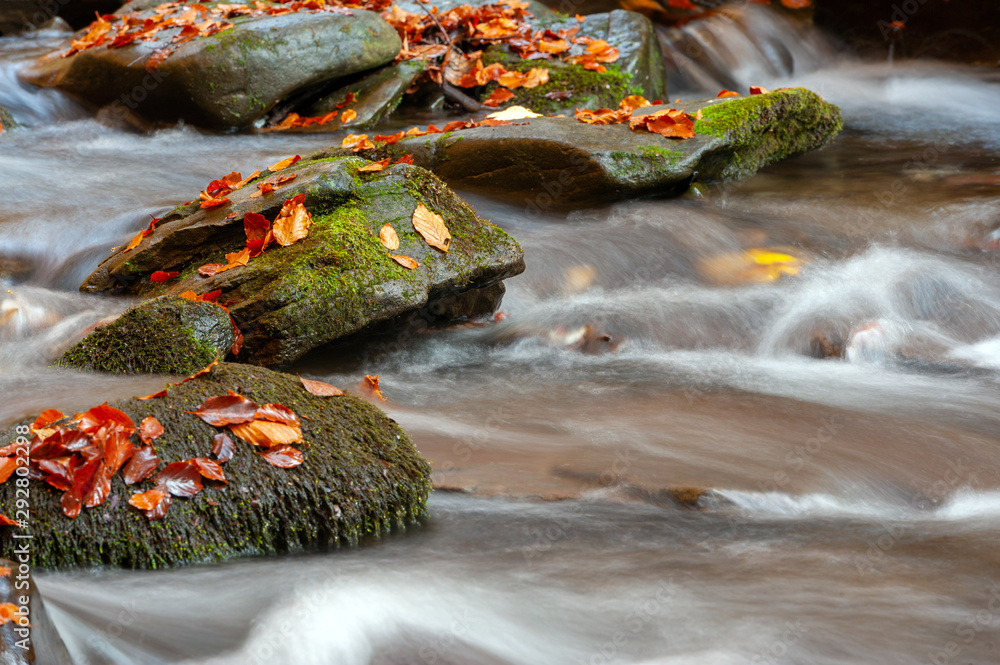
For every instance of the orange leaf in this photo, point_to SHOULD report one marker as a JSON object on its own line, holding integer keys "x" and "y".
{"x": 388, "y": 236}
{"x": 46, "y": 418}
{"x": 265, "y": 433}
{"x": 150, "y": 429}
{"x": 431, "y": 228}
{"x": 370, "y": 384}
{"x": 375, "y": 166}
{"x": 162, "y": 393}
{"x": 136, "y": 240}
{"x": 277, "y": 413}
{"x": 320, "y": 389}
{"x": 247, "y": 180}
{"x": 357, "y": 142}
{"x": 283, "y": 164}
{"x": 405, "y": 159}
{"x": 262, "y": 189}
{"x": 405, "y": 261}
{"x": 208, "y": 468}
{"x": 147, "y": 500}
{"x": 728, "y": 93}
{"x": 757, "y": 90}
{"x": 283, "y": 456}
{"x": 210, "y": 269}
{"x": 498, "y": 97}
{"x": 4, "y": 571}
{"x": 293, "y": 222}
{"x": 226, "y": 410}
{"x": 347, "y": 116}
{"x": 7, "y": 467}
{"x": 9, "y": 612}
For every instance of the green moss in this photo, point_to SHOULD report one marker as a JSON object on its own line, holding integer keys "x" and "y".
{"x": 155, "y": 339}
{"x": 655, "y": 151}
{"x": 361, "y": 476}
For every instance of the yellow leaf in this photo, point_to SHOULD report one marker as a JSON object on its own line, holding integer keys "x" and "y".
{"x": 388, "y": 237}
{"x": 431, "y": 228}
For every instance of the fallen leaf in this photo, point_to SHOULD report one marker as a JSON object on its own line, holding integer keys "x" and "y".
{"x": 226, "y": 410}
{"x": 7, "y": 467}
{"x": 728, "y": 93}
{"x": 278, "y": 413}
{"x": 388, "y": 236}
{"x": 6, "y": 521}
{"x": 208, "y": 468}
{"x": 283, "y": 164}
{"x": 147, "y": 500}
{"x": 210, "y": 269}
{"x": 293, "y": 222}
{"x": 161, "y": 276}
{"x": 180, "y": 479}
{"x": 375, "y": 166}
{"x": 93, "y": 419}
{"x": 223, "y": 447}
{"x": 9, "y": 612}
{"x": 357, "y": 142}
{"x": 4, "y": 571}
{"x": 283, "y": 456}
{"x": 46, "y": 418}
{"x": 150, "y": 429}
{"x": 265, "y": 433}
{"x": 347, "y": 116}
{"x": 407, "y": 262}
{"x": 370, "y": 383}
{"x": 431, "y": 228}
{"x": 498, "y": 97}
{"x": 320, "y": 388}
{"x": 262, "y": 189}
{"x": 757, "y": 90}
{"x": 514, "y": 113}
{"x": 405, "y": 159}
{"x": 141, "y": 465}
{"x": 201, "y": 372}
{"x": 162, "y": 393}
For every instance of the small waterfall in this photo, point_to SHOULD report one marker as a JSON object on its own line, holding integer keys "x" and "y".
{"x": 740, "y": 45}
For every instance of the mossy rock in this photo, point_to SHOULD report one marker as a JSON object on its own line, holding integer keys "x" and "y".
{"x": 361, "y": 477}
{"x": 7, "y": 121}
{"x": 228, "y": 79}
{"x": 337, "y": 281}
{"x": 561, "y": 162}
{"x": 167, "y": 335}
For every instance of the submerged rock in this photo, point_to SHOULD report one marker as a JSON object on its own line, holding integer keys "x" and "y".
{"x": 336, "y": 281}
{"x": 558, "y": 162}
{"x": 167, "y": 335}
{"x": 228, "y": 79}
{"x": 361, "y": 476}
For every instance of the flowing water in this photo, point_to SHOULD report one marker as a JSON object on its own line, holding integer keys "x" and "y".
{"x": 854, "y": 503}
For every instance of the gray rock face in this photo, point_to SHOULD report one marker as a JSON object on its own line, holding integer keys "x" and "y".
{"x": 228, "y": 79}
{"x": 336, "y": 281}
{"x": 165, "y": 335}
{"x": 560, "y": 162}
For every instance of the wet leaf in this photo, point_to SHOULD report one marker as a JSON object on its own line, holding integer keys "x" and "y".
{"x": 406, "y": 261}
{"x": 375, "y": 166}
{"x": 757, "y": 90}
{"x": 405, "y": 159}
{"x": 223, "y": 447}
{"x": 498, "y": 97}
{"x": 99, "y": 416}
{"x": 237, "y": 338}
{"x": 141, "y": 465}
{"x": 208, "y": 468}
{"x": 370, "y": 384}
{"x": 255, "y": 226}
{"x": 210, "y": 269}
{"x": 348, "y": 116}
{"x": 180, "y": 479}
{"x": 147, "y": 500}
{"x": 389, "y": 237}
{"x": 6, "y": 521}
{"x": 293, "y": 221}
{"x": 201, "y": 372}
{"x": 728, "y": 93}
{"x": 278, "y": 413}
{"x": 283, "y": 456}
{"x": 117, "y": 448}
{"x": 265, "y": 434}
{"x": 46, "y": 418}
{"x": 150, "y": 428}
{"x": 161, "y": 276}
{"x": 357, "y": 142}
{"x": 162, "y": 393}
{"x": 100, "y": 487}
{"x": 7, "y": 467}
{"x": 226, "y": 410}
{"x": 431, "y": 228}
{"x": 320, "y": 388}
{"x": 283, "y": 164}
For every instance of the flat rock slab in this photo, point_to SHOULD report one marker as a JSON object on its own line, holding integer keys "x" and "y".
{"x": 335, "y": 282}
{"x": 562, "y": 162}
{"x": 228, "y": 79}
{"x": 361, "y": 476}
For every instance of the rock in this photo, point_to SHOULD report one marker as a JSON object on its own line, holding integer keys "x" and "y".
{"x": 228, "y": 79}
{"x": 639, "y": 69}
{"x": 559, "y": 162}
{"x": 40, "y": 642}
{"x": 376, "y": 96}
{"x": 336, "y": 281}
{"x": 167, "y": 335}
{"x": 7, "y": 121}
{"x": 361, "y": 476}
{"x": 417, "y": 7}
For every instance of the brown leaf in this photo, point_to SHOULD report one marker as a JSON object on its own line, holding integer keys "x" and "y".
{"x": 223, "y": 447}
{"x": 7, "y": 467}
{"x": 278, "y": 413}
{"x": 150, "y": 428}
{"x": 283, "y": 164}
{"x": 210, "y": 269}
{"x": 99, "y": 416}
{"x": 293, "y": 221}
{"x": 283, "y": 456}
{"x": 162, "y": 393}
{"x": 375, "y": 166}
{"x": 180, "y": 479}
{"x": 431, "y": 228}
{"x": 265, "y": 434}
{"x": 46, "y": 418}
{"x": 388, "y": 236}
{"x": 320, "y": 388}
{"x": 226, "y": 410}
{"x": 141, "y": 465}
{"x": 147, "y": 500}
{"x": 208, "y": 468}
{"x": 405, "y": 261}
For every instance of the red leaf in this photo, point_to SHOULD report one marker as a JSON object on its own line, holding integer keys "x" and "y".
{"x": 141, "y": 465}
{"x": 99, "y": 416}
{"x": 160, "y": 276}
{"x": 237, "y": 337}
{"x": 283, "y": 456}
{"x": 150, "y": 429}
{"x": 321, "y": 389}
{"x": 256, "y": 226}
{"x": 117, "y": 449}
{"x": 223, "y": 447}
{"x": 100, "y": 487}
{"x": 58, "y": 473}
{"x": 208, "y": 468}
{"x": 6, "y": 521}
{"x": 226, "y": 410}
{"x": 162, "y": 393}
{"x": 147, "y": 500}
{"x": 46, "y": 418}
{"x": 7, "y": 467}
{"x": 278, "y": 414}
{"x": 180, "y": 479}
{"x": 405, "y": 159}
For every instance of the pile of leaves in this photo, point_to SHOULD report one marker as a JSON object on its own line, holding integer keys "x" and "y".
{"x": 80, "y": 457}
{"x": 670, "y": 123}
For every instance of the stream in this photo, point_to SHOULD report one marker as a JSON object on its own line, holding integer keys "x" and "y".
{"x": 854, "y": 504}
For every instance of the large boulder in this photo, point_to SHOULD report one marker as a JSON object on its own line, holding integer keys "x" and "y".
{"x": 167, "y": 335}
{"x": 360, "y": 476}
{"x": 336, "y": 281}
{"x": 561, "y": 161}
{"x": 228, "y": 79}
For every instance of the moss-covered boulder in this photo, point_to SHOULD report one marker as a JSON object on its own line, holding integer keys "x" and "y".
{"x": 336, "y": 281}
{"x": 228, "y": 79}
{"x": 563, "y": 162}
{"x": 638, "y": 70}
{"x": 7, "y": 121}
{"x": 361, "y": 476}
{"x": 167, "y": 335}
